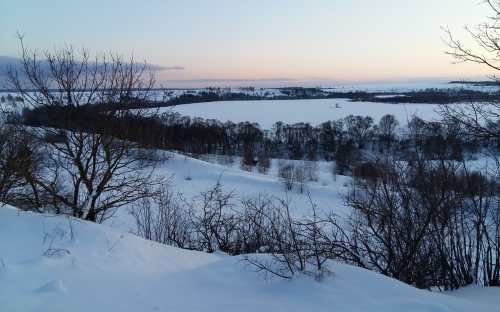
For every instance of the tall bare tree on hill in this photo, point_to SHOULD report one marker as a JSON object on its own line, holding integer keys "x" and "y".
{"x": 76, "y": 108}
{"x": 481, "y": 120}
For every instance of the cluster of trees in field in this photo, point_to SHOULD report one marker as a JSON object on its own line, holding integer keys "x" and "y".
{"x": 9, "y": 99}
{"x": 434, "y": 95}
{"x": 211, "y": 94}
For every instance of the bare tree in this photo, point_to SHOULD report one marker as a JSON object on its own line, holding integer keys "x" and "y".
{"x": 346, "y": 157}
{"x": 387, "y": 129}
{"x": 264, "y": 162}
{"x": 300, "y": 175}
{"x": 478, "y": 118}
{"x": 485, "y": 35}
{"x": 304, "y": 171}
{"x": 77, "y": 109}
{"x": 359, "y": 129}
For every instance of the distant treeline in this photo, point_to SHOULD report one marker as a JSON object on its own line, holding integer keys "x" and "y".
{"x": 475, "y": 83}
{"x": 212, "y": 94}
{"x": 429, "y": 95}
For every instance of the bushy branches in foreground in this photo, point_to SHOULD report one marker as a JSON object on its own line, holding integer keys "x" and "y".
{"x": 427, "y": 223}
{"x": 294, "y": 246}
{"x": 261, "y": 224}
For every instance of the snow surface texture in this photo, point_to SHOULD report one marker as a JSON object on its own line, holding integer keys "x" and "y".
{"x": 139, "y": 275}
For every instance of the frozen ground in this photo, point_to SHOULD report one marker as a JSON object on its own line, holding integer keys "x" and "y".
{"x": 109, "y": 269}
{"x": 267, "y": 112}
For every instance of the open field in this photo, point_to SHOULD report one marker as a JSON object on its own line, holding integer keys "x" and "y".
{"x": 266, "y": 113}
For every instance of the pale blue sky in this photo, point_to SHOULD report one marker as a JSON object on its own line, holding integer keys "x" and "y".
{"x": 273, "y": 42}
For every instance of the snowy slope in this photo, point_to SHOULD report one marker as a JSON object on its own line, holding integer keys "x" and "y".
{"x": 139, "y": 275}
{"x": 109, "y": 269}
{"x": 203, "y": 175}
{"x": 326, "y": 192}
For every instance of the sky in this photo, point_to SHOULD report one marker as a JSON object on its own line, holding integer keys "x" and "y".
{"x": 199, "y": 43}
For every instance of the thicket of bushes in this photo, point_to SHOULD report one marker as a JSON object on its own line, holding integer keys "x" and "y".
{"x": 428, "y": 223}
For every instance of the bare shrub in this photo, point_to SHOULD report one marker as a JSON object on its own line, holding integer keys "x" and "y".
{"x": 333, "y": 171}
{"x": 264, "y": 163}
{"x": 298, "y": 173}
{"x": 163, "y": 219}
{"x": 214, "y": 224}
{"x": 226, "y": 160}
{"x": 366, "y": 170}
{"x": 305, "y": 172}
{"x": 59, "y": 232}
{"x": 312, "y": 170}
{"x": 428, "y": 224}
{"x": 286, "y": 173}
{"x": 293, "y": 246}
{"x": 256, "y": 220}
{"x": 300, "y": 176}
{"x": 346, "y": 156}
{"x": 248, "y": 161}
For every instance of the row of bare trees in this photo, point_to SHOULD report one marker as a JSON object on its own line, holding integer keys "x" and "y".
{"x": 296, "y": 141}
{"x": 336, "y": 140}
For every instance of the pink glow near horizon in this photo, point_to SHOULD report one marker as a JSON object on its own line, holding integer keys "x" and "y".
{"x": 264, "y": 43}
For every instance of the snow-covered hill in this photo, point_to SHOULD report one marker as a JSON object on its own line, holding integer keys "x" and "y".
{"x": 52, "y": 263}
{"x": 106, "y": 269}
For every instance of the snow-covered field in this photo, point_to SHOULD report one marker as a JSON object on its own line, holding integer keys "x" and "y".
{"x": 52, "y": 263}
{"x": 266, "y": 113}
{"x": 109, "y": 269}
